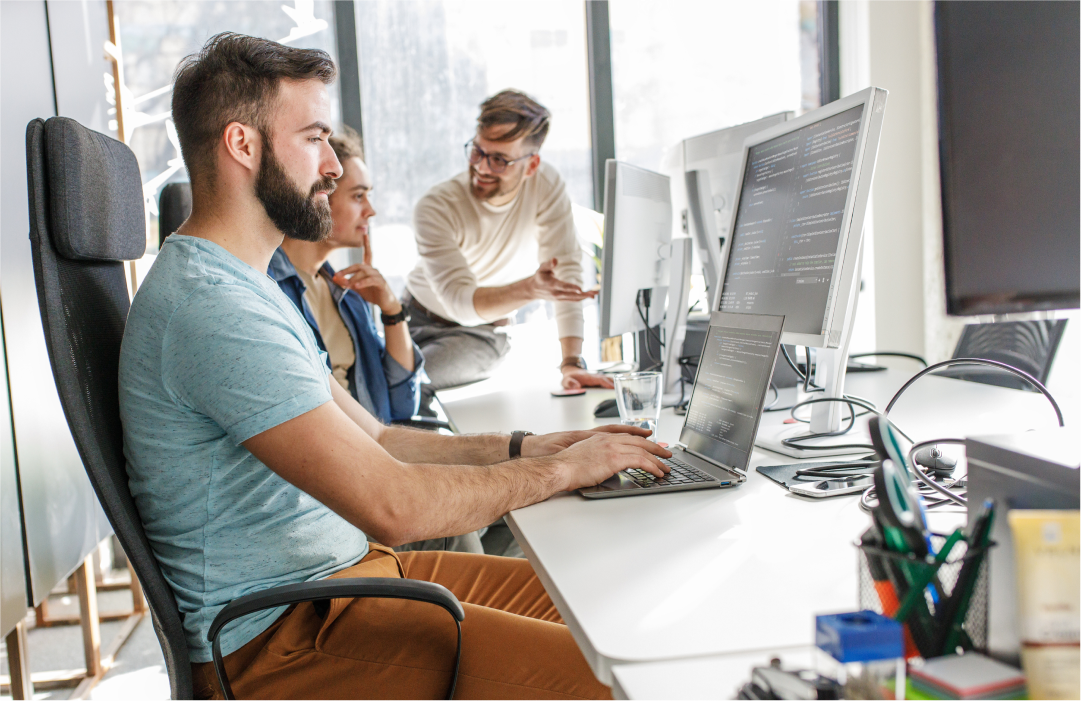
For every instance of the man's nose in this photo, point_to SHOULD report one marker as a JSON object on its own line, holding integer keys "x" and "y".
{"x": 483, "y": 167}
{"x": 332, "y": 167}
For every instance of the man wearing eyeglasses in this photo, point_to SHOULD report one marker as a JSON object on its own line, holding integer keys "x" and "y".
{"x": 491, "y": 240}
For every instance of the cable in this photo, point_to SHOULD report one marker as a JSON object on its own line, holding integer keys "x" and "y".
{"x": 776, "y": 397}
{"x": 889, "y": 354}
{"x": 957, "y": 499}
{"x": 977, "y": 361}
{"x": 930, "y": 500}
{"x": 848, "y": 400}
{"x": 791, "y": 363}
{"x": 928, "y": 482}
{"x": 649, "y": 332}
{"x": 794, "y": 440}
{"x": 807, "y": 372}
{"x": 840, "y": 470}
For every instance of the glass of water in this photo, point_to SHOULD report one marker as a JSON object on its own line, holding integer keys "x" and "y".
{"x": 638, "y": 395}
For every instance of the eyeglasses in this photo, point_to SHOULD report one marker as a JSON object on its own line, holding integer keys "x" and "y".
{"x": 496, "y": 163}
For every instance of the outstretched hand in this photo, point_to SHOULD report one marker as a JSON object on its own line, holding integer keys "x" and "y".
{"x": 576, "y": 378}
{"x": 545, "y": 285}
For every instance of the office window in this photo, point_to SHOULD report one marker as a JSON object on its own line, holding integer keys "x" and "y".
{"x": 681, "y": 69}
{"x": 426, "y": 65}
{"x": 155, "y": 35}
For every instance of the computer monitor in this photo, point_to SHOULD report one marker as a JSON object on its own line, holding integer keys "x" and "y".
{"x": 711, "y": 165}
{"x": 1009, "y": 90}
{"x": 636, "y": 251}
{"x": 796, "y": 248}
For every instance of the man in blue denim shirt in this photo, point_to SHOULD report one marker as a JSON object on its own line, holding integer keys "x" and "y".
{"x": 383, "y": 376}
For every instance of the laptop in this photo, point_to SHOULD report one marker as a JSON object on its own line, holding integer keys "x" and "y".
{"x": 722, "y": 418}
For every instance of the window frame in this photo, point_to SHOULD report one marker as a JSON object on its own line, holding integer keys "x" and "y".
{"x": 599, "y": 64}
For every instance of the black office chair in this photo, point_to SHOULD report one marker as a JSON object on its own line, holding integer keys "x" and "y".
{"x": 174, "y": 208}
{"x": 86, "y": 218}
{"x": 1025, "y": 345}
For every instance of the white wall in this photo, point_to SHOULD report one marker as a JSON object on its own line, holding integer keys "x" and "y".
{"x": 890, "y": 44}
{"x": 855, "y": 76}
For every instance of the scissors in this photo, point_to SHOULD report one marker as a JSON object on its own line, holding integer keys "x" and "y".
{"x": 901, "y": 511}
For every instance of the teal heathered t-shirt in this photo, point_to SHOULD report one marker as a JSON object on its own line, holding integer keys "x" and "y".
{"x": 213, "y": 354}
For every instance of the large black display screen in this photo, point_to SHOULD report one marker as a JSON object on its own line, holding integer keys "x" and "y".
{"x": 1009, "y": 109}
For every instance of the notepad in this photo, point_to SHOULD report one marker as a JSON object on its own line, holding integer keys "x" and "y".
{"x": 970, "y": 676}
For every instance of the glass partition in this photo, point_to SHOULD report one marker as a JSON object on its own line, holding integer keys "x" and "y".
{"x": 682, "y": 69}
{"x": 155, "y": 35}
{"x": 426, "y": 65}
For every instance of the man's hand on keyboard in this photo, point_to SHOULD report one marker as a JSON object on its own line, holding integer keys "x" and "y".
{"x": 550, "y": 443}
{"x": 595, "y": 459}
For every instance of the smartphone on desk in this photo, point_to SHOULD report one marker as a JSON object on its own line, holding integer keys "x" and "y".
{"x": 832, "y": 488}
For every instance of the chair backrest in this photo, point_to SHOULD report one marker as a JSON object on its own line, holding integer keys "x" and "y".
{"x": 86, "y": 218}
{"x": 1025, "y": 345}
{"x": 174, "y": 208}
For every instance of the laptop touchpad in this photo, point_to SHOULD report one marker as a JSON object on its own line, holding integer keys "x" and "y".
{"x": 617, "y": 481}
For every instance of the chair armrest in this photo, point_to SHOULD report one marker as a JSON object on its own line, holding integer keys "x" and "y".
{"x": 321, "y": 590}
{"x": 426, "y": 423}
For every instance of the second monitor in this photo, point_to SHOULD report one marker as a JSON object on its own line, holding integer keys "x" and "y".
{"x": 797, "y": 234}
{"x": 637, "y": 252}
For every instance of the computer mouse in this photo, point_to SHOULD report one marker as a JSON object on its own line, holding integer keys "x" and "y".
{"x": 607, "y": 409}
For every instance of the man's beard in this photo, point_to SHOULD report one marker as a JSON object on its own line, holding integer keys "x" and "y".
{"x": 488, "y": 191}
{"x": 297, "y": 216}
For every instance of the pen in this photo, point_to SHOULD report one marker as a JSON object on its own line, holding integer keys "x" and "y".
{"x": 956, "y": 608}
{"x": 887, "y": 595}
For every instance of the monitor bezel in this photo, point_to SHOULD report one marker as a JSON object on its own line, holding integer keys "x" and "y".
{"x": 703, "y": 229}
{"x": 839, "y": 300}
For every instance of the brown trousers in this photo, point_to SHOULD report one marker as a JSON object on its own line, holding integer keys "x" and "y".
{"x": 514, "y": 643}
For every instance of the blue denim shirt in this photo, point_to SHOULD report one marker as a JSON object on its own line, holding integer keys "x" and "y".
{"x": 377, "y": 381}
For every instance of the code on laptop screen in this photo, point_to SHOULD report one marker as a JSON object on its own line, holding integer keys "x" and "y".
{"x": 733, "y": 377}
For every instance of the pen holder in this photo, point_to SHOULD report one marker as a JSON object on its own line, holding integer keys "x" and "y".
{"x": 943, "y": 604}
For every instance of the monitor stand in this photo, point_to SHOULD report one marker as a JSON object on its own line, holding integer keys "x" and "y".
{"x": 675, "y": 320}
{"x": 826, "y": 417}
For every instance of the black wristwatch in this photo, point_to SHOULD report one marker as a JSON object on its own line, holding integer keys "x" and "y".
{"x": 392, "y": 319}
{"x": 516, "y": 439}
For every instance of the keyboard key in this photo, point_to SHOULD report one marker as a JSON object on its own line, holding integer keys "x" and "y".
{"x": 681, "y": 473}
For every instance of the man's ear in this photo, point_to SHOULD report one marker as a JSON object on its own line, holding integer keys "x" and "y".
{"x": 242, "y": 144}
{"x": 534, "y": 164}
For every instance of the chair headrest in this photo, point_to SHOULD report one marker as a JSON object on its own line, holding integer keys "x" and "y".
{"x": 95, "y": 194}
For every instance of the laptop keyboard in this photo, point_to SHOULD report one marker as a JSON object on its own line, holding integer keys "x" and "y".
{"x": 681, "y": 473}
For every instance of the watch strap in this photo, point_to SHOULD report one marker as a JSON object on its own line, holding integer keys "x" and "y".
{"x": 392, "y": 319}
{"x": 516, "y": 439}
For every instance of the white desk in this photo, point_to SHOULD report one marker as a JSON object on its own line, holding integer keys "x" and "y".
{"x": 717, "y": 677}
{"x": 711, "y": 572}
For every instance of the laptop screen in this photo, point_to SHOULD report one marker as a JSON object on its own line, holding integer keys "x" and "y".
{"x": 734, "y": 373}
